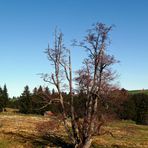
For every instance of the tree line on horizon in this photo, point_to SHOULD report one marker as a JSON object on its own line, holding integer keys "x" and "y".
{"x": 122, "y": 104}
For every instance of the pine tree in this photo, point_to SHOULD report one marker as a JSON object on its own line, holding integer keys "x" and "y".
{"x": 25, "y": 101}
{"x": 47, "y": 91}
{"x": 35, "y": 91}
{"x": 1, "y": 100}
{"x": 53, "y": 91}
{"x": 40, "y": 90}
{"x": 5, "y": 96}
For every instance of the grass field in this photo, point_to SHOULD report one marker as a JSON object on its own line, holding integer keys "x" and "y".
{"x": 145, "y": 91}
{"x": 19, "y": 131}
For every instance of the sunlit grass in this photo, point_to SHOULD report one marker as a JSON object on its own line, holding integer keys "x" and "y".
{"x": 19, "y": 130}
{"x": 138, "y": 91}
{"x": 126, "y": 135}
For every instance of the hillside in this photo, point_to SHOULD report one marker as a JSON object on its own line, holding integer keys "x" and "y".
{"x": 20, "y": 131}
{"x": 145, "y": 91}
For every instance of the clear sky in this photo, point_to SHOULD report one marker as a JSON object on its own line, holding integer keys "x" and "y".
{"x": 26, "y": 26}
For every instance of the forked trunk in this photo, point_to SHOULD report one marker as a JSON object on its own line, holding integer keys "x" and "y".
{"x": 86, "y": 144}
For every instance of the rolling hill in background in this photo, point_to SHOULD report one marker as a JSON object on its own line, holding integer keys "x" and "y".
{"x": 145, "y": 91}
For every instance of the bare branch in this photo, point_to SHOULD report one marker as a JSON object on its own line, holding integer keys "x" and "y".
{"x": 50, "y": 102}
{"x": 94, "y": 78}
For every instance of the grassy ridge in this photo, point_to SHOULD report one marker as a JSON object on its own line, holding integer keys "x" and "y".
{"x": 145, "y": 91}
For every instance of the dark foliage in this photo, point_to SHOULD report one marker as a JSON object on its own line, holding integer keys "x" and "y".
{"x": 136, "y": 108}
{"x": 119, "y": 104}
{"x": 25, "y": 102}
{"x": 13, "y": 103}
{"x": 4, "y": 99}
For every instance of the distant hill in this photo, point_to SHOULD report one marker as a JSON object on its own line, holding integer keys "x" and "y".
{"x": 145, "y": 91}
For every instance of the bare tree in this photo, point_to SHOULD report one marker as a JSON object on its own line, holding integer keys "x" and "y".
{"x": 60, "y": 58}
{"x": 92, "y": 79}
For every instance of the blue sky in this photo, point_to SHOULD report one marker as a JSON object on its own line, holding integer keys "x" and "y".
{"x": 26, "y": 26}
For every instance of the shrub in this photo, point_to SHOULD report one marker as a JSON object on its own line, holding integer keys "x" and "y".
{"x": 136, "y": 108}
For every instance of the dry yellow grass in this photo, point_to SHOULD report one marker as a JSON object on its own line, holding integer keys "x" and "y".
{"x": 19, "y": 131}
{"x": 126, "y": 135}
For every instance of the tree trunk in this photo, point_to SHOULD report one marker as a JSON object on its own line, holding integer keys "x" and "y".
{"x": 86, "y": 144}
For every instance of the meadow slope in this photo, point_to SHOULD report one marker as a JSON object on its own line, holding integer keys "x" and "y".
{"x": 20, "y": 131}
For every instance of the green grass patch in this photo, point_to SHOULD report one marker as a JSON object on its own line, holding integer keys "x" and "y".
{"x": 145, "y": 91}
{"x": 4, "y": 143}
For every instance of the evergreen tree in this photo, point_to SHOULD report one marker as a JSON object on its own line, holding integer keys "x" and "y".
{"x": 1, "y": 100}
{"x": 40, "y": 90}
{"x": 25, "y": 103}
{"x": 53, "y": 91}
{"x": 37, "y": 101}
{"x": 35, "y": 91}
{"x": 47, "y": 91}
{"x": 4, "y": 99}
{"x": 141, "y": 102}
{"x": 136, "y": 108}
{"x": 14, "y": 103}
{"x": 5, "y": 96}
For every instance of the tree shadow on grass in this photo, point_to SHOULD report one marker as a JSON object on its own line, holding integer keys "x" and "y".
{"x": 40, "y": 141}
{"x": 54, "y": 140}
